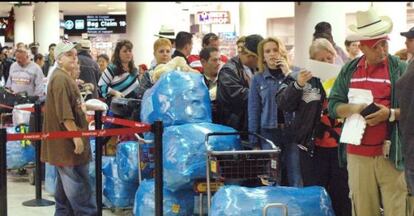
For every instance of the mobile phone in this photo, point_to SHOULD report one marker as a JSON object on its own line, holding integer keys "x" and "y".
{"x": 369, "y": 109}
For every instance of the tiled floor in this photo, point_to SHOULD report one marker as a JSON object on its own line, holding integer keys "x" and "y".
{"x": 19, "y": 190}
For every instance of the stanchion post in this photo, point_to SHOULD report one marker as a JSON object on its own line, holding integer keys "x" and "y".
{"x": 38, "y": 169}
{"x": 3, "y": 173}
{"x": 157, "y": 129}
{"x": 98, "y": 162}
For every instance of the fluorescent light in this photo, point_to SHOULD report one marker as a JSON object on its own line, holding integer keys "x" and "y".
{"x": 102, "y": 5}
{"x": 116, "y": 12}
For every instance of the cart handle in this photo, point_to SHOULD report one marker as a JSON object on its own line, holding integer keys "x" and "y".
{"x": 276, "y": 205}
{"x": 240, "y": 133}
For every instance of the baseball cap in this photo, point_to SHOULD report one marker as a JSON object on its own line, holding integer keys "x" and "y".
{"x": 62, "y": 47}
{"x": 409, "y": 33}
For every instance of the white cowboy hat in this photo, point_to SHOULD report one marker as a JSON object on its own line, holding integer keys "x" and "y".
{"x": 370, "y": 26}
{"x": 166, "y": 32}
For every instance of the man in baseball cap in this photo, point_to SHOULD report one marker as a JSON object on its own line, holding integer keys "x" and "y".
{"x": 405, "y": 95}
{"x": 71, "y": 156}
{"x": 409, "y": 42}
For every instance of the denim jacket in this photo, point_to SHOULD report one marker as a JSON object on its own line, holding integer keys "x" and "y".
{"x": 262, "y": 106}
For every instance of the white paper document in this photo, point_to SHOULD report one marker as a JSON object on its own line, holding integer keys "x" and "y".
{"x": 323, "y": 70}
{"x": 354, "y": 126}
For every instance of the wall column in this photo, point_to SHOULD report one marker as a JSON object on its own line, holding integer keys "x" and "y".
{"x": 144, "y": 19}
{"x": 47, "y": 22}
{"x": 23, "y": 26}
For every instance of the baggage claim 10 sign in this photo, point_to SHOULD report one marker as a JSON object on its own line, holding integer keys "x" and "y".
{"x": 94, "y": 24}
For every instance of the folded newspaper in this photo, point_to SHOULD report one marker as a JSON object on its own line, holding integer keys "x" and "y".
{"x": 354, "y": 126}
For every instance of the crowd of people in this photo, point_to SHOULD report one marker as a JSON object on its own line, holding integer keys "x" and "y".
{"x": 258, "y": 90}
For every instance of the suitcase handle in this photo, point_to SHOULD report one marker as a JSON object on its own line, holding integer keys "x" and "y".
{"x": 276, "y": 205}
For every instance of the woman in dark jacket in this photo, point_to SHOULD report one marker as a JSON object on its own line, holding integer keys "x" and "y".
{"x": 316, "y": 133}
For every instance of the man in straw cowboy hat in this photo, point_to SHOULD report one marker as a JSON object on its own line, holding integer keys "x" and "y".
{"x": 375, "y": 166}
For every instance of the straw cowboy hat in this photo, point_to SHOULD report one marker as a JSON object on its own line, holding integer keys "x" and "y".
{"x": 166, "y": 32}
{"x": 370, "y": 26}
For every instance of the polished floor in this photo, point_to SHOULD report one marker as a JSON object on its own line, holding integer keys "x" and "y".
{"x": 20, "y": 190}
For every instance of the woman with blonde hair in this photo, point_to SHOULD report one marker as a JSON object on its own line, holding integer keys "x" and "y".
{"x": 317, "y": 134}
{"x": 162, "y": 54}
{"x": 264, "y": 116}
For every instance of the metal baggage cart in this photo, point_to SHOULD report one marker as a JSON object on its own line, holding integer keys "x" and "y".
{"x": 239, "y": 165}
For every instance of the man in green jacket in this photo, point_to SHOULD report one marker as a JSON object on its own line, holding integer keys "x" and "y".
{"x": 375, "y": 166}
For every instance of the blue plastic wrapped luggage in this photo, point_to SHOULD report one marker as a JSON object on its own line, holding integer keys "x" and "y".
{"x": 116, "y": 193}
{"x": 177, "y": 98}
{"x": 178, "y": 203}
{"x": 184, "y": 151}
{"x": 127, "y": 161}
{"x": 238, "y": 200}
{"x": 20, "y": 152}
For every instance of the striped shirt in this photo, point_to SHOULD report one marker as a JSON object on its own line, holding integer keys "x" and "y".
{"x": 126, "y": 83}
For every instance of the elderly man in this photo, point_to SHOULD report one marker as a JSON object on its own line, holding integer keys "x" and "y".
{"x": 89, "y": 69}
{"x": 25, "y": 76}
{"x": 375, "y": 166}
{"x": 71, "y": 156}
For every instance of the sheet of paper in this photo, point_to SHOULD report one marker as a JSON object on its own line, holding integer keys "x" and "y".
{"x": 322, "y": 70}
{"x": 354, "y": 126}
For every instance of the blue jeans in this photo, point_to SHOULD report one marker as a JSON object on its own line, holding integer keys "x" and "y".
{"x": 73, "y": 194}
{"x": 283, "y": 138}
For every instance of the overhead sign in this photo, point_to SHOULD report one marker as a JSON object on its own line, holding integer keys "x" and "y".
{"x": 213, "y": 17}
{"x": 95, "y": 24}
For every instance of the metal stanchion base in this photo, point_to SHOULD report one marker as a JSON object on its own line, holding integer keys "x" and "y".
{"x": 38, "y": 202}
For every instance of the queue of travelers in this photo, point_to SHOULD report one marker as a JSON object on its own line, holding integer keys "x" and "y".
{"x": 258, "y": 90}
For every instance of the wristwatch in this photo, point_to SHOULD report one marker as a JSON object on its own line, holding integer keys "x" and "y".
{"x": 392, "y": 115}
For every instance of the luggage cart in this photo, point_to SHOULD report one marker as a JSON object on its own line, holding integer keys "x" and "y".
{"x": 263, "y": 165}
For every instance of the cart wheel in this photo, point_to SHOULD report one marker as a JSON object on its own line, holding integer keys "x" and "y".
{"x": 32, "y": 174}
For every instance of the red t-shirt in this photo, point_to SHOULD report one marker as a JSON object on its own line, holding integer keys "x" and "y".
{"x": 377, "y": 79}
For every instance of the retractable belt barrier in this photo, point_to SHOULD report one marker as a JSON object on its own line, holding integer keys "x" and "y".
{"x": 130, "y": 128}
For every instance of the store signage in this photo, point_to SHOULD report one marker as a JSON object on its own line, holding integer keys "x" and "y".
{"x": 213, "y": 17}
{"x": 95, "y": 24}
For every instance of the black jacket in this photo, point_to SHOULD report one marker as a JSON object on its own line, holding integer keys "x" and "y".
{"x": 306, "y": 103}
{"x": 178, "y": 53}
{"x": 232, "y": 95}
{"x": 89, "y": 71}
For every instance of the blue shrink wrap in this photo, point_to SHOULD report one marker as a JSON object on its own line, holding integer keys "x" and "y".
{"x": 127, "y": 161}
{"x": 238, "y": 200}
{"x": 177, "y": 98}
{"x": 174, "y": 203}
{"x": 185, "y": 152}
{"x": 19, "y": 152}
{"x": 116, "y": 193}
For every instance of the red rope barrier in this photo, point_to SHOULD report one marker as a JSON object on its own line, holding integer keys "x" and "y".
{"x": 71, "y": 134}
